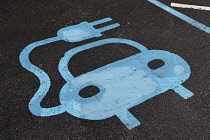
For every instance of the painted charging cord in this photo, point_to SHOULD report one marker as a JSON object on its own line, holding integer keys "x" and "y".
{"x": 75, "y": 33}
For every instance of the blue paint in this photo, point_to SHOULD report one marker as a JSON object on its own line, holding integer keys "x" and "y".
{"x": 84, "y": 31}
{"x": 123, "y": 84}
{"x": 34, "y": 104}
{"x": 128, "y": 119}
{"x": 181, "y": 16}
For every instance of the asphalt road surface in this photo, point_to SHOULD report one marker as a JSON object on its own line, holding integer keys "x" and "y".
{"x": 164, "y": 117}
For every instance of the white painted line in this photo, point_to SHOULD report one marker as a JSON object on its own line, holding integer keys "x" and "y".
{"x": 190, "y": 6}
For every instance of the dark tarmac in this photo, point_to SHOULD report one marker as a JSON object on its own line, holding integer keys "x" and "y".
{"x": 165, "y": 117}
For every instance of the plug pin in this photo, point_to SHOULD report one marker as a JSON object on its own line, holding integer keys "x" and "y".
{"x": 108, "y": 27}
{"x": 100, "y": 21}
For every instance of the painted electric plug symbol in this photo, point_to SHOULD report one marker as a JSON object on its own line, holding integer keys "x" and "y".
{"x": 84, "y": 30}
{"x": 123, "y": 84}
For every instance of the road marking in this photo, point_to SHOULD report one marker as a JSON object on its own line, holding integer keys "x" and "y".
{"x": 190, "y": 6}
{"x": 181, "y": 16}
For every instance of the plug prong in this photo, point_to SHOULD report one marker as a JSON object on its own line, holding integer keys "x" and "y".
{"x": 108, "y": 27}
{"x": 100, "y": 21}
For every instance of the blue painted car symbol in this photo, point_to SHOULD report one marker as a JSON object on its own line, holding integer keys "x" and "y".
{"x": 123, "y": 84}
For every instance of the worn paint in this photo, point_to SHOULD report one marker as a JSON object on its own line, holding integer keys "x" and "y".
{"x": 179, "y": 5}
{"x": 123, "y": 84}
